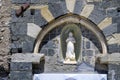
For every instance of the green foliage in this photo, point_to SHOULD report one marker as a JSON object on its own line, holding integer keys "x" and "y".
{"x": 76, "y": 34}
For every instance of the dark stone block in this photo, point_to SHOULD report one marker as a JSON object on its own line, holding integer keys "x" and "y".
{"x": 78, "y": 6}
{"x": 35, "y": 1}
{"x": 83, "y": 53}
{"x": 97, "y": 52}
{"x": 63, "y": 5}
{"x": 50, "y": 44}
{"x": 116, "y": 19}
{"x": 114, "y": 67}
{"x": 109, "y": 78}
{"x": 38, "y": 19}
{"x": 117, "y": 76}
{"x": 45, "y": 1}
{"x": 20, "y": 1}
{"x": 97, "y": 15}
{"x": 56, "y": 9}
{"x": 112, "y": 12}
{"x": 87, "y": 53}
{"x": 119, "y": 49}
{"x": 39, "y": 2}
{"x": 21, "y": 66}
{"x": 14, "y": 50}
{"x": 88, "y": 45}
{"x": 21, "y": 28}
{"x": 44, "y": 51}
{"x": 27, "y": 17}
{"x": 21, "y": 75}
{"x": 109, "y": 30}
{"x": 54, "y": 1}
{"x": 118, "y": 28}
{"x": 109, "y": 3}
{"x": 28, "y": 44}
{"x": 14, "y": 38}
{"x": 14, "y": 18}
{"x": 113, "y": 48}
{"x": 104, "y": 4}
{"x": 51, "y": 52}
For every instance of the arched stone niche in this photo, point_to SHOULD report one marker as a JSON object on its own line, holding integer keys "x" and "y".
{"x": 53, "y": 30}
{"x": 71, "y": 18}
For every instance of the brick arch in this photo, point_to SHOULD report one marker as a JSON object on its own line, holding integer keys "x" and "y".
{"x": 71, "y": 18}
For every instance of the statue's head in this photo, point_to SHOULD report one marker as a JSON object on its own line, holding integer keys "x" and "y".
{"x": 70, "y": 34}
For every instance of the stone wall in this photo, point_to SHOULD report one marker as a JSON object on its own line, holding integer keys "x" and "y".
{"x": 24, "y": 29}
{"x": 5, "y": 16}
{"x": 102, "y": 13}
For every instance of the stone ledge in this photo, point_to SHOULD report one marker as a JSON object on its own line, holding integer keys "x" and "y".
{"x": 27, "y": 57}
{"x": 110, "y": 58}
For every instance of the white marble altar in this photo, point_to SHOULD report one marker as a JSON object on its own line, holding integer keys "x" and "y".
{"x": 70, "y": 77}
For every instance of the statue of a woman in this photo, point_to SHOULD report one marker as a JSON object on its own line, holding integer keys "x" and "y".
{"x": 70, "y": 54}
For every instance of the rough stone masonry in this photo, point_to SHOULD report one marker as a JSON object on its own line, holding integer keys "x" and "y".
{"x": 5, "y": 16}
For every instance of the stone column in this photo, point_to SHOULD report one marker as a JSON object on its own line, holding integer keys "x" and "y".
{"x": 22, "y": 65}
{"x": 21, "y": 71}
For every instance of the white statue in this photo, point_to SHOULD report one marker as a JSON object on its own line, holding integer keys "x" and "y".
{"x": 70, "y": 54}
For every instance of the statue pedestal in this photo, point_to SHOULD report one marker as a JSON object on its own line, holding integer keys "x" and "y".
{"x": 70, "y": 62}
